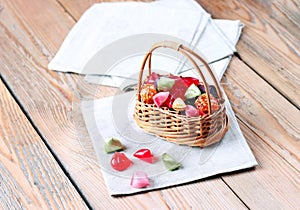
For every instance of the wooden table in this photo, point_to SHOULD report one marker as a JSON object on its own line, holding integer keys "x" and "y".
{"x": 44, "y": 165}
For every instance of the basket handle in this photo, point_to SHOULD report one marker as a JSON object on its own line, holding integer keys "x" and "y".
{"x": 187, "y": 53}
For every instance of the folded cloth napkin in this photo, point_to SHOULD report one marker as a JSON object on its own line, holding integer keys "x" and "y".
{"x": 109, "y": 41}
{"x": 106, "y": 23}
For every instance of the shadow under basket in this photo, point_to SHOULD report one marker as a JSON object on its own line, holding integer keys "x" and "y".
{"x": 174, "y": 126}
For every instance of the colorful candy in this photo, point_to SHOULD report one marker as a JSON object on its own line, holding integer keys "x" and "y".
{"x": 202, "y": 104}
{"x": 139, "y": 180}
{"x": 170, "y": 163}
{"x": 120, "y": 161}
{"x": 145, "y": 155}
{"x": 147, "y": 93}
{"x": 192, "y": 92}
{"x": 191, "y": 111}
{"x": 164, "y": 83}
{"x": 113, "y": 145}
{"x": 178, "y": 104}
{"x": 179, "y": 93}
{"x": 160, "y": 98}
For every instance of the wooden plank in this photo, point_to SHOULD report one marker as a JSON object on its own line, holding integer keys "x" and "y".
{"x": 264, "y": 110}
{"x": 270, "y": 39}
{"x": 274, "y": 184}
{"x": 30, "y": 178}
{"x": 42, "y": 110}
{"x": 47, "y": 98}
{"x": 77, "y": 8}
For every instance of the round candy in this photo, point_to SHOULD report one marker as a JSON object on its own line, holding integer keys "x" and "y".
{"x": 120, "y": 161}
{"x": 202, "y": 104}
{"x": 147, "y": 93}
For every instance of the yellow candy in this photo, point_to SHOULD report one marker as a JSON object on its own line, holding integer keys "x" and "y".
{"x": 178, "y": 104}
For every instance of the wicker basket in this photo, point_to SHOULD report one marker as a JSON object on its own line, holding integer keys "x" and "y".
{"x": 173, "y": 126}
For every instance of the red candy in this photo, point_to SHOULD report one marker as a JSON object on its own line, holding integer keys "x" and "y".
{"x": 120, "y": 162}
{"x": 160, "y": 98}
{"x": 145, "y": 155}
{"x": 179, "y": 88}
{"x": 190, "y": 80}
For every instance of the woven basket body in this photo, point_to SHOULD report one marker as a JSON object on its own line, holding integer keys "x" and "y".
{"x": 173, "y": 126}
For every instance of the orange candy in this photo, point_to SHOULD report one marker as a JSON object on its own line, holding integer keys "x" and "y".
{"x": 202, "y": 104}
{"x": 147, "y": 93}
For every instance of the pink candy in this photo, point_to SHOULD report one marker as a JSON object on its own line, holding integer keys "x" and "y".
{"x": 139, "y": 180}
{"x": 191, "y": 111}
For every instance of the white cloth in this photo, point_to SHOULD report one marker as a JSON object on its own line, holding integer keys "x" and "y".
{"x": 231, "y": 154}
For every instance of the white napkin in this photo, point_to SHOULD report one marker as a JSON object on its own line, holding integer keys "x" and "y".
{"x": 231, "y": 154}
{"x": 106, "y": 23}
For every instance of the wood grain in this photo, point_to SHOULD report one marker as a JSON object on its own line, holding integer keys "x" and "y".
{"x": 47, "y": 97}
{"x": 270, "y": 39}
{"x": 264, "y": 110}
{"x": 30, "y": 177}
{"x": 272, "y": 185}
{"x": 77, "y": 8}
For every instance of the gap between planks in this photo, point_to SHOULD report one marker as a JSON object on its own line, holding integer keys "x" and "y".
{"x": 44, "y": 141}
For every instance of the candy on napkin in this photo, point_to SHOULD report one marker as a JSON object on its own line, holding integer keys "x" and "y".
{"x": 120, "y": 161}
{"x": 145, "y": 155}
{"x": 139, "y": 180}
{"x": 113, "y": 145}
{"x": 170, "y": 163}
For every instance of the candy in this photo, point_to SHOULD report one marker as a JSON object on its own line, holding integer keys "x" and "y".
{"x": 139, "y": 180}
{"x": 165, "y": 84}
{"x": 201, "y": 88}
{"x": 145, "y": 155}
{"x": 191, "y": 111}
{"x": 170, "y": 163}
{"x": 169, "y": 101}
{"x": 113, "y": 145}
{"x": 160, "y": 98}
{"x": 202, "y": 104}
{"x": 179, "y": 88}
{"x": 151, "y": 79}
{"x": 178, "y": 104}
{"x": 192, "y": 92}
{"x": 147, "y": 93}
{"x": 213, "y": 91}
{"x": 190, "y": 80}
{"x": 119, "y": 161}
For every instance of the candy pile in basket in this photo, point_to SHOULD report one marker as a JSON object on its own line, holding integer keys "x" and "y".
{"x": 183, "y": 110}
{"x": 184, "y": 94}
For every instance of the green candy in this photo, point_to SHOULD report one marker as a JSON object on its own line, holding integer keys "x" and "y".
{"x": 170, "y": 163}
{"x": 113, "y": 145}
{"x": 165, "y": 84}
{"x": 192, "y": 92}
